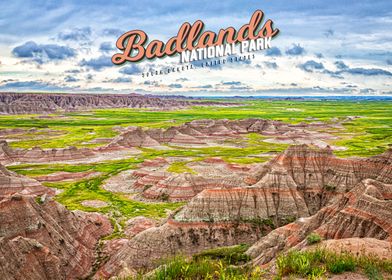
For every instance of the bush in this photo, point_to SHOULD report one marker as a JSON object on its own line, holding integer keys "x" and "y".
{"x": 372, "y": 272}
{"x": 164, "y": 197}
{"x": 314, "y": 264}
{"x": 313, "y": 238}
{"x": 203, "y": 268}
{"x": 345, "y": 262}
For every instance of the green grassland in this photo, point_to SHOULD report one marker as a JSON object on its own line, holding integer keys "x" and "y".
{"x": 369, "y": 135}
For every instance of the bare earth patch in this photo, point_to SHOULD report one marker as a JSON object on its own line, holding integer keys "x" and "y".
{"x": 122, "y": 182}
{"x": 360, "y": 246}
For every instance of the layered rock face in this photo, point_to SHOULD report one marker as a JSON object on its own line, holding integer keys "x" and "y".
{"x": 185, "y": 186}
{"x": 153, "y": 244}
{"x": 31, "y": 103}
{"x": 46, "y": 241}
{"x": 12, "y": 183}
{"x": 9, "y": 155}
{"x": 322, "y": 178}
{"x": 261, "y": 203}
{"x": 365, "y": 211}
{"x": 201, "y": 132}
{"x": 41, "y": 239}
{"x": 297, "y": 183}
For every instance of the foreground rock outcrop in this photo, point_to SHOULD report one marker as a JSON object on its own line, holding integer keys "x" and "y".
{"x": 365, "y": 211}
{"x": 41, "y": 239}
{"x": 46, "y": 241}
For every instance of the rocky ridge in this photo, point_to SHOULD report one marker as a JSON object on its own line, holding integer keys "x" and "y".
{"x": 12, "y": 183}
{"x": 41, "y": 238}
{"x": 202, "y": 132}
{"x": 39, "y": 103}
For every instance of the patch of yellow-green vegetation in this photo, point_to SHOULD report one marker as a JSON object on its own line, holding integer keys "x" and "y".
{"x": 219, "y": 263}
{"x": 232, "y": 263}
{"x": 74, "y": 193}
{"x": 255, "y": 138}
{"x": 104, "y": 167}
{"x": 247, "y": 154}
{"x": 247, "y": 159}
{"x": 315, "y": 264}
{"x": 70, "y": 136}
{"x": 366, "y": 137}
{"x": 180, "y": 167}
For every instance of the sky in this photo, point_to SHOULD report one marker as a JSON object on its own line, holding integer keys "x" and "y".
{"x": 336, "y": 47}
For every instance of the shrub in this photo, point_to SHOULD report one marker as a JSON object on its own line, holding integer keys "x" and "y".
{"x": 345, "y": 262}
{"x": 164, "y": 197}
{"x": 330, "y": 188}
{"x": 314, "y": 264}
{"x": 372, "y": 272}
{"x": 313, "y": 238}
{"x": 39, "y": 200}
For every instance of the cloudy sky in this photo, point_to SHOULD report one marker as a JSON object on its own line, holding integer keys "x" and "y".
{"x": 336, "y": 47}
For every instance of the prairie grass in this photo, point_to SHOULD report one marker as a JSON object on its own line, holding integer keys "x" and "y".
{"x": 317, "y": 263}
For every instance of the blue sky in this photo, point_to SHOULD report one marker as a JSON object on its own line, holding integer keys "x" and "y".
{"x": 324, "y": 47}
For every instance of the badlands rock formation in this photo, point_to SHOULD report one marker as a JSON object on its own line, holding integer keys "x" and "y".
{"x": 272, "y": 206}
{"x": 12, "y": 183}
{"x": 9, "y": 155}
{"x": 198, "y": 132}
{"x": 41, "y": 239}
{"x": 321, "y": 192}
{"x": 46, "y": 241}
{"x": 153, "y": 182}
{"x": 33, "y": 103}
{"x": 365, "y": 211}
{"x": 75, "y": 155}
{"x": 201, "y": 132}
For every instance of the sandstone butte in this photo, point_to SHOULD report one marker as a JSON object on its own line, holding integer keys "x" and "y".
{"x": 301, "y": 190}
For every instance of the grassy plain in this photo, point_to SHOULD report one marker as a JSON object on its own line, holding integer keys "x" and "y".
{"x": 367, "y": 135}
{"x": 370, "y": 134}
